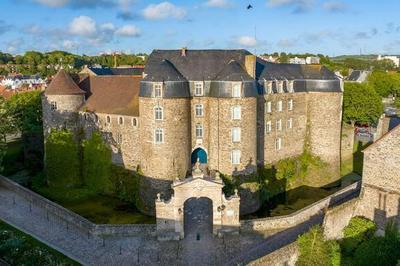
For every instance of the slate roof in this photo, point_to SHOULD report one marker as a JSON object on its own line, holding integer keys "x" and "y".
{"x": 63, "y": 84}
{"x": 197, "y": 64}
{"x": 355, "y": 75}
{"x": 112, "y": 94}
{"x": 162, "y": 70}
{"x": 233, "y": 72}
{"x": 295, "y": 71}
{"x": 120, "y": 71}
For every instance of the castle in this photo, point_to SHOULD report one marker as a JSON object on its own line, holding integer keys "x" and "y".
{"x": 227, "y": 108}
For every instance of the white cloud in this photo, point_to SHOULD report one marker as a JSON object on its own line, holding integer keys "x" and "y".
{"x": 107, "y": 27}
{"x": 247, "y": 41}
{"x": 128, "y": 31}
{"x": 69, "y": 45}
{"x": 335, "y": 6}
{"x": 83, "y": 26}
{"x": 163, "y": 10}
{"x": 218, "y": 3}
{"x": 53, "y": 3}
{"x": 298, "y": 5}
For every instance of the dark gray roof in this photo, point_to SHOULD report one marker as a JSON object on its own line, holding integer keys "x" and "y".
{"x": 355, "y": 75}
{"x": 162, "y": 70}
{"x": 120, "y": 71}
{"x": 233, "y": 72}
{"x": 197, "y": 64}
{"x": 295, "y": 71}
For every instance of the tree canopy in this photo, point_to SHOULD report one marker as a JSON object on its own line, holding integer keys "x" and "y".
{"x": 361, "y": 104}
{"x": 385, "y": 84}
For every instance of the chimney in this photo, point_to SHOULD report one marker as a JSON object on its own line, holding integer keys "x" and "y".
{"x": 250, "y": 65}
{"x": 183, "y": 51}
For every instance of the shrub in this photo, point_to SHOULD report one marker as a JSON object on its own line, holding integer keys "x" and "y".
{"x": 62, "y": 159}
{"x": 314, "y": 250}
{"x": 96, "y": 166}
{"x": 356, "y": 232}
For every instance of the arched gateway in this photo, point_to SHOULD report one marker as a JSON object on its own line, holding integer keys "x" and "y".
{"x": 171, "y": 213}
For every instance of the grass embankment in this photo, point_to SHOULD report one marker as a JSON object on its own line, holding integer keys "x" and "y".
{"x": 18, "y": 248}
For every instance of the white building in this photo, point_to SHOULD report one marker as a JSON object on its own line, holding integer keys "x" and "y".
{"x": 297, "y": 60}
{"x": 16, "y": 82}
{"x": 309, "y": 60}
{"x": 394, "y": 59}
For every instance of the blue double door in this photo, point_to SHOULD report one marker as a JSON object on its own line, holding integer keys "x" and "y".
{"x": 201, "y": 154}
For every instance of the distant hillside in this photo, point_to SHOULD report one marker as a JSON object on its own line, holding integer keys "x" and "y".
{"x": 359, "y": 57}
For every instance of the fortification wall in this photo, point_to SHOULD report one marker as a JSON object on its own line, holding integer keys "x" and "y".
{"x": 286, "y": 256}
{"x": 325, "y": 115}
{"x": 292, "y": 138}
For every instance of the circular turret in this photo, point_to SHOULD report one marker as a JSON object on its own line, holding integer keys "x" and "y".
{"x": 164, "y": 107}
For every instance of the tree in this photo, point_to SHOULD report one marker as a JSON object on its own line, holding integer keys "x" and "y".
{"x": 314, "y": 250}
{"x": 361, "y": 104}
{"x": 385, "y": 84}
{"x": 62, "y": 160}
{"x": 356, "y": 232}
{"x": 4, "y": 129}
{"x": 96, "y": 167}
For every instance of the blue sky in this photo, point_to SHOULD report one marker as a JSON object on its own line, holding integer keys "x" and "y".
{"x": 332, "y": 27}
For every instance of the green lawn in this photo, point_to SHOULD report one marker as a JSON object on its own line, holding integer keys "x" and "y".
{"x": 18, "y": 248}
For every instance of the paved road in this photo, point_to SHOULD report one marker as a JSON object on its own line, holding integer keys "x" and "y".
{"x": 89, "y": 250}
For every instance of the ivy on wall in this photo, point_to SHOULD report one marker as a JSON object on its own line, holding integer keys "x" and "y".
{"x": 62, "y": 159}
{"x": 96, "y": 165}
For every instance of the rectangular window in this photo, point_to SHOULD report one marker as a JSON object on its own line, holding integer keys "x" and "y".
{"x": 199, "y": 109}
{"x": 268, "y": 107}
{"x": 236, "y": 90}
{"x": 236, "y": 113}
{"x": 119, "y": 138}
{"x": 158, "y": 113}
{"x": 290, "y": 105}
{"x": 235, "y": 157}
{"x": 236, "y": 134}
{"x": 279, "y": 106}
{"x": 198, "y": 89}
{"x": 53, "y": 106}
{"x": 268, "y": 127}
{"x": 157, "y": 90}
{"x": 290, "y": 123}
{"x": 159, "y": 136}
{"x": 280, "y": 86}
{"x": 199, "y": 131}
{"x": 269, "y": 87}
{"x": 278, "y": 144}
{"x": 279, "y": 125}
{"x": 290, "y": 86}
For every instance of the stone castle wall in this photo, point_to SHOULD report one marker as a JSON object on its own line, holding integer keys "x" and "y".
{"x": 65, "y": 116}
{"x": 325, "y": 114}
{"x": 292, "y": 138}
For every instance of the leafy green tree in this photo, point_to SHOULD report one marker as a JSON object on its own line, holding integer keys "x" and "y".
{"x": 62, "y": 160}
{"x": 385, "y": 84}
{"x": 361, "y": 104}
{"x": 5, "y": 128}
{"x": 125, "y": 184}
{"x": 314, "y": 250}
{"x": 96, "y": 167}
{"x": 356, "y": 232}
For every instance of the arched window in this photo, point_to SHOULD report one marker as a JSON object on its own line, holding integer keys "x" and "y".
{"x": 120, "y": 120}
{"x": 134, "y": 122}
{"x": 108, "y": 119}
{"x": 159, "y": 136}
{"x": 158, "y": 113}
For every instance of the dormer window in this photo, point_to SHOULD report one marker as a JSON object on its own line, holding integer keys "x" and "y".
{"x": 198, "y": 88}
{"x": 236, "y": 90}
{"x": 157, "y": 87}
{"x": 280, "y": 86}
{"x": 268, "y": 86}
{"x": 290, "y": 86}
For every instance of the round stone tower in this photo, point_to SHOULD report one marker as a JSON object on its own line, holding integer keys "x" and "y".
{"x": 164, "y": 107}
{"x": 61, "y": 102}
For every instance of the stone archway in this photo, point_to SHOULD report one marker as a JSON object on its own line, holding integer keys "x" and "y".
{"x": 199, "y": 154}
{"x": 171, "y": 213}
{"x": 198, "y": 217}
